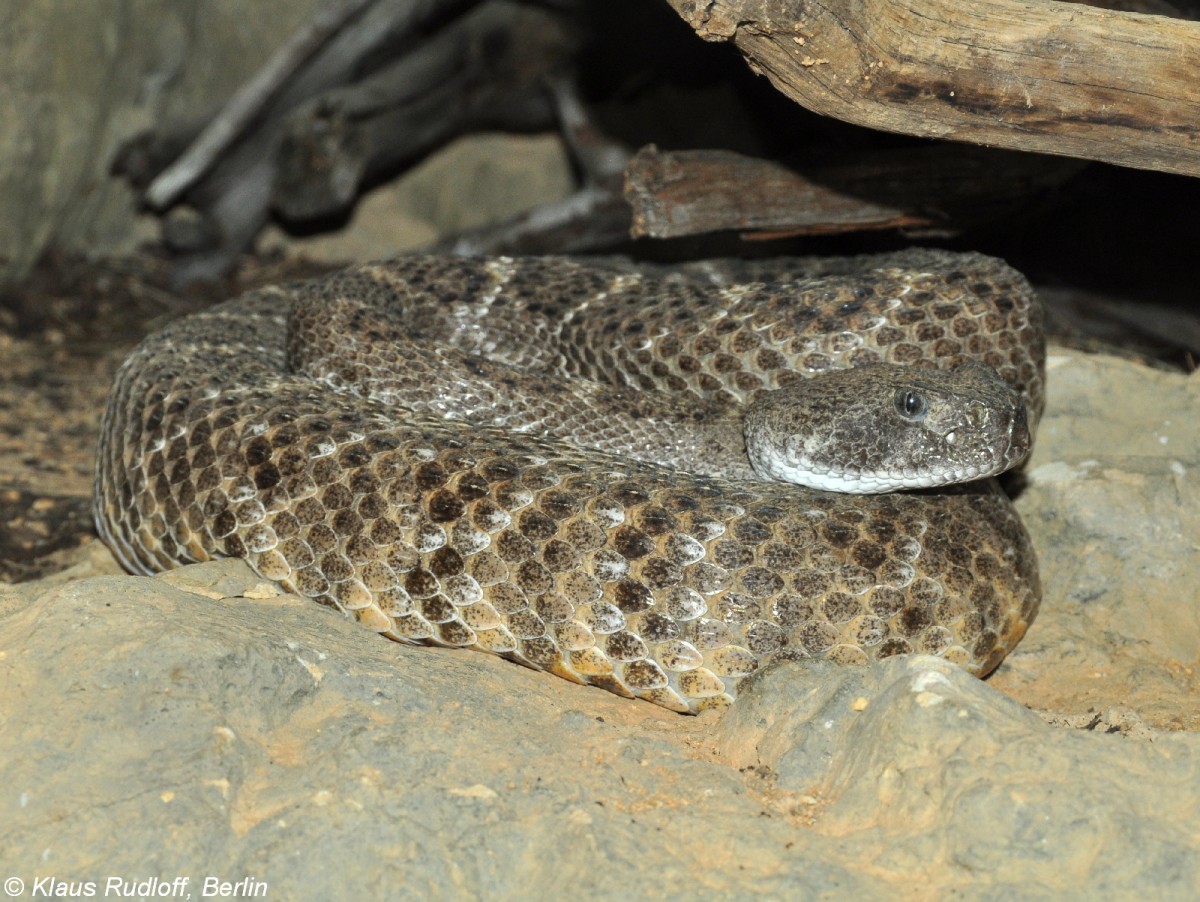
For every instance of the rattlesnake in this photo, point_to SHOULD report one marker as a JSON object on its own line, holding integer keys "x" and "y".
{"x": 475, "y": 509}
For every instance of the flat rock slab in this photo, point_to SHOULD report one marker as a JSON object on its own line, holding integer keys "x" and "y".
{"x": 1112, "y": 502}
{"x": 202, "y": 724}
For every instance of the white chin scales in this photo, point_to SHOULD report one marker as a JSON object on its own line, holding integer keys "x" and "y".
{"x": 863, "y": 484}
{"x": 849, "y": 483}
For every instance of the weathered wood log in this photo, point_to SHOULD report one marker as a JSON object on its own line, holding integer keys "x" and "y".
{"x": 364, "y": 86}
{"x": 948, "y": 187}
{"x": 485, "y": 70}
{"x": 1040, "y": 76}
{"x": 296, "y": 70}
{"x": 696, "y": 191}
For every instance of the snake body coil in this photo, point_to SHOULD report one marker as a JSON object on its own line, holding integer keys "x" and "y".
{"x": 435, "y": 471}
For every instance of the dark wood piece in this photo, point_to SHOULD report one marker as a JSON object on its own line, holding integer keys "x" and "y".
{"x": 946, "y": 187}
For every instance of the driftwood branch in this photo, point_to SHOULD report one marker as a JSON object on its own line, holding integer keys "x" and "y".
{"x": 697, "y": 191}
{"x": 471, "y": 75}
{"x": 1040, "y": 76}
{"x": 367, "y": 86}
{"x": 595, "y": 216}
{"x": 249, "y": 102}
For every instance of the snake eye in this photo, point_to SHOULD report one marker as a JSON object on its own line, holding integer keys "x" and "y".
{"x": 910, "y": 404}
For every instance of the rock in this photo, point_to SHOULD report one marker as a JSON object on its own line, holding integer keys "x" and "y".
{"x": 168, "y": 727}
{"x": 933, "y": 774}
{"x": 80, "y": 80}
{"x": 250, "y": 734}
{"x": 1112, "y": 502}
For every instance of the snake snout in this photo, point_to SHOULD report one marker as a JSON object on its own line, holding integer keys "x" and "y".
{"x": 1019, "y": 439}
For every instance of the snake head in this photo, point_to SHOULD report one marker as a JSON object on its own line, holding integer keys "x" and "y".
{"x": 881, "y": 428}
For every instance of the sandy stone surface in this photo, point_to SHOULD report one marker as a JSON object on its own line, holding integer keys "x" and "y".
{"x": 202, "y": 723}
{"x": 1112, "y": 500}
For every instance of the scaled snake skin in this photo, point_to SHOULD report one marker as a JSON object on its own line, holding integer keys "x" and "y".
{"x": 309, "y": 429}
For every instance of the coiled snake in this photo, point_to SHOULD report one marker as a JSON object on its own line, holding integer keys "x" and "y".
{"x": 418, "y": 444}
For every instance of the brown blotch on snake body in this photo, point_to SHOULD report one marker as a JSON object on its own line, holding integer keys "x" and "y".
{"x": 444, "y": 510}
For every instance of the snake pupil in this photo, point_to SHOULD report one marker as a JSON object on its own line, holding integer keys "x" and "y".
{"x": 910, "y": 404}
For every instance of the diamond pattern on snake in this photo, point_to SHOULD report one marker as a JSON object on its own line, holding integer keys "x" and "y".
{"x": 578, "y": 465}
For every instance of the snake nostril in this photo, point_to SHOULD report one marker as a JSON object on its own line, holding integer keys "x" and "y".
{"x": 1019, "y": 437}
